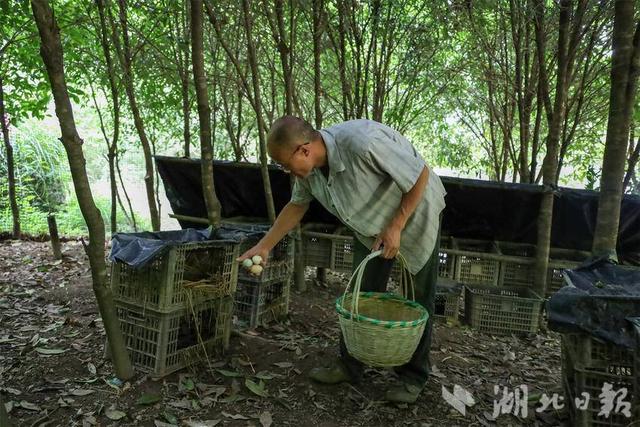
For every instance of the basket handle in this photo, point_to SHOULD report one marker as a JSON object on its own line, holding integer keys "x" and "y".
{"x": 406, "y": 281}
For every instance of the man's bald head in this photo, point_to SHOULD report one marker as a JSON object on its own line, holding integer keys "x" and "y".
{"x": 287, "y": 133}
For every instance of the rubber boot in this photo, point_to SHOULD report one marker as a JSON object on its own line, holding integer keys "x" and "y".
{"x": 333, "y": 374}
{"x": 403, "y": 393}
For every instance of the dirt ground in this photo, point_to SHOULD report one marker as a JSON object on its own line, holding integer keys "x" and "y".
{"x": 52, "y": 369}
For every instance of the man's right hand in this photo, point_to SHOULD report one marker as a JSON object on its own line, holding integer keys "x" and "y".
{"x": 256, "y": 250}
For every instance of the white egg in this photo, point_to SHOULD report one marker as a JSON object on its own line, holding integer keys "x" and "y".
{"x": 257, "y": 259}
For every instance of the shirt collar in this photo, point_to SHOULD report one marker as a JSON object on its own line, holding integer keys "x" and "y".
{"x": 333, "y": 153}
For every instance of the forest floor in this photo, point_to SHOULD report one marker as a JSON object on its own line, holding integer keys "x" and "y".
{"x": 53, "y": 372}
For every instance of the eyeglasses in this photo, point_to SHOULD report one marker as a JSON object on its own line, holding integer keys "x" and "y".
{"x": 281, "y": 166}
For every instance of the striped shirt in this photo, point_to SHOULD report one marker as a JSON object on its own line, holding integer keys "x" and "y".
{"x": 370, "y": 167}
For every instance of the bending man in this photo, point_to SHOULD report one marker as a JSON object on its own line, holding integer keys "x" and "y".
{"x": 371, "y": 178}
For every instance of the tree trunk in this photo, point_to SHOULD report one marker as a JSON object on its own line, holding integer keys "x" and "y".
{"x": 56, "y": 247}
{"x": 631, "y": 164}
{"x": 280, "y": 37}
{"x": 115, "y": 99}
{"x": 317, "y": 10}
{"x": 186, "y": 115}
{"x": 124, "y": 53}
{"x": 184, "y": 78}
{"x": 228, "y": 124}
{"x": 540, "y": 37}
{"x": 126, "y": 195}
{"x": 13, "y": 200}
{"x": 111, "y": 160}
{"x": 625, "y": 64}
{"x": 51, "y": 52}
{"x": 523, "y": 112}
{"x": 550, "y": 162}
{"x": 204, "y": 114}
{"x": 535, "y": 139}
{"x": 568, "y": 130}
{"x": 340, "y": 49}
{"x": 254, "y": 98}
{"x": 255, "y": 78}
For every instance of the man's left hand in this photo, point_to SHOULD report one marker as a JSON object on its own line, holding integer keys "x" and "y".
{"x": 389, "y": 239}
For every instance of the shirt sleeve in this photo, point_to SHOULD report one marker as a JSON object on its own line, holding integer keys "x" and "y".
{"x": 300, "y": 194}
{"x": 392, "y": 153}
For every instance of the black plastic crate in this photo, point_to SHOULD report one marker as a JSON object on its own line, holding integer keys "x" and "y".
{"x": 161, "y": 343}
{"x": 447, "y": 260}
{"x": 198, "y": 270}
{"x": 258, "y": 303}
{"x": 447, "y": 300}
{"x": 560, "y": 260}
{"x": 477, "y": 261}
{"x": 517, "y": 264}
{"x": 501, "y": 310}
{"x": 587, "y": 364}
{"x": 280, "y": 262}
{"x": 317, "y": 245}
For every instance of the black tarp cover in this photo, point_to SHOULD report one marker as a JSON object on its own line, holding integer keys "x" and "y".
{"x": 475, "y": 209}
{"x": 138, "y": 250}
{"x": 598, "y": 299}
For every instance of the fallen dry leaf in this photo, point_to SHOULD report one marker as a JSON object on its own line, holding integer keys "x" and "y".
{"x": 265, "y": 419}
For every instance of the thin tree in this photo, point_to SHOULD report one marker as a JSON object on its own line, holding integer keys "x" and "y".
{"x": 11, "y": 175}
{"x": 52, "y": 56}
{"x": 252, "y": 93}
{"x": 180, "y": 47}
{"x": 284, "y": 44}
{"x": 625, "y": 66}
{"x": 126, "y": 195}
{"x": 632, "y": 162}
{"x": 338, "y": 38}
{"x": 317, "y": 28}
{"x": 228, "y": 102}
{"x": 255, "y": 80}
{"x": 275, "y": 17}
{"x": 112, "y": 146}
{"x": 550, "y": 162}
{"x": 204, "y": 113}
{"x": 125, "y": 59}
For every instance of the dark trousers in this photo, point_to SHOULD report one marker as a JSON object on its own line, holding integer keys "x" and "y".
{"x": 375, "y": 278}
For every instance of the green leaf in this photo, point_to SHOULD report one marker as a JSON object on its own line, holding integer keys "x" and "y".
{"x": 148, "y": 399}
{"x": 28, "y": 405}
{"x": 188, "y": 384}
{"x": 92, "y": 368}
{"x": 114, "y": 414}
{"x": 265, "y": 419}
{"x": 82, "y": 392}
{"x": 256, "y": 388}
{"x": 229, "y": 373}
{"x": 170, "y": 417}
{"x": 234, "y": 416}
{"x": 50, "y": 350}
{"x": 284, "y": 365}
{"x": 266, "y": 375}
{"x": 232, "y": 398}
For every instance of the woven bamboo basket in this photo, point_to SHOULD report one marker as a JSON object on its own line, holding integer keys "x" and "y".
{"x": 381, "y": 329}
